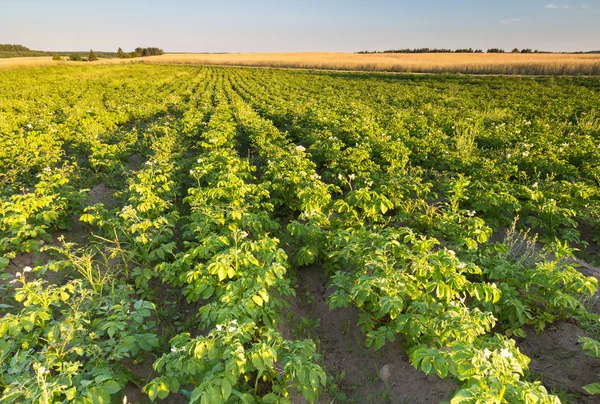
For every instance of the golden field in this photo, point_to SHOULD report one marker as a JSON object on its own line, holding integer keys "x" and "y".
{"x": 469, "y": 63}
{"x": 466, "y": 63}
{"x": 47, "y": 61}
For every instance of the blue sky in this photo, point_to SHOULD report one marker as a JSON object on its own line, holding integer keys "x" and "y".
{"x": 287, "y": 25}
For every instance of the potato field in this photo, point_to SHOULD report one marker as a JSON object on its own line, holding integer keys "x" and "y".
{"x": 197, "y": 234}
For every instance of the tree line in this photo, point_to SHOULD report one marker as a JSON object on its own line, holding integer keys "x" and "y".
{"x": 11, "y": 51}
{"x": 139, "y": 52}
{"x": 466, "y": 50}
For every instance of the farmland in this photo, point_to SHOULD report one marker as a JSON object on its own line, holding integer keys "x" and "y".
{"x": 198, "y": 234}
{"x": 432, "y": 63}
{"x": 467, "y": 63}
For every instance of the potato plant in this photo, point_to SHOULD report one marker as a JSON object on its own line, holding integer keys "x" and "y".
{"x": 449, "y": 211}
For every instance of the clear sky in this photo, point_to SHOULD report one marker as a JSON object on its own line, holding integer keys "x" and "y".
{"x": 288, "y": 25}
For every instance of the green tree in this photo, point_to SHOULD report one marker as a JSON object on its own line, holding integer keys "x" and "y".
{"x": 92, "y": 57}
{"x": 56, "y": 56}
{"x": 120, "y": 53}
{"x": 75, "y": 57}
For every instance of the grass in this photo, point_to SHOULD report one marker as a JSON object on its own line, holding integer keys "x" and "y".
{"x": 485, "y": 63}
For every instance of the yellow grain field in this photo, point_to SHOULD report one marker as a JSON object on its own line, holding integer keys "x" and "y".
{"x": 466, "y": 63}
{"x": 507, "y": 63}
{"x": 47, "y": 61}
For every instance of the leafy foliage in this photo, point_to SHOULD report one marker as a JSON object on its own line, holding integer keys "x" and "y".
{"x": 447, "y": 210}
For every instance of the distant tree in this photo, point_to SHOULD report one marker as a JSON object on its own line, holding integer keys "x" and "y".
{"x": 515, "y": 50}
{"x": 56, "y": 56}
{"x": 495, "y": 50}
{"x": 14, "y": 48}
{"x": 120, "y": 53}
{"x": 156, "y": 51}
{"x": 92, "y": 57}
{"x": 149, "y": 51}
{"x": 526, "y": 50}
{"x": 75, "y": 57}
{"x": 134, "y": 54}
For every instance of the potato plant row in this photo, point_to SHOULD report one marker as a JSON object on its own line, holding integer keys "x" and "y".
{"x": 511, "y": 292}
{"x": 448, "y": 210}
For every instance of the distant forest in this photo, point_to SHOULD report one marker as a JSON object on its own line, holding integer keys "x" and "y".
{"x": 13, "y": 51}
{"x": 139, "y": 52}
{"x": 467, "y": 50}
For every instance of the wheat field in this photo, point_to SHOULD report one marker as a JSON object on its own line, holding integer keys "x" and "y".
{"x": 47, "y": 61}
{"x": 508, "y": 63}
{"x": 465, "y": 63}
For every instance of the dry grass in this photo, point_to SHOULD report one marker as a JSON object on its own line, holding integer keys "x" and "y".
{"x": 26, "y": 61}
{"x": 508, "y": 63}
{"x": 47, "y": 61}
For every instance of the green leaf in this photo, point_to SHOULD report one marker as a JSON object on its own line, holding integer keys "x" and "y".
{"x": 426, "y": 366}
{"x": 98, "y": 395}
{"x": 163, "y": 389}
{"x": 208, "y": 292}
{"x": 173, "y": 384}
{"x": 111, "y": 386}
{"x": 4, "y": 261}
{"x": 593, "y": 388}
{"x": 461, "y": 397}
{"x": 314, "y": 379}
{"x": 225, "y": 388}
{"x": 102, "y": 377}
{"x": 270, "y": 398}
{"x": 258, "y": 362}
{"x": 196, "y": 394}
{"x": 151, "y": 389}
{"x": 466, "y": 370}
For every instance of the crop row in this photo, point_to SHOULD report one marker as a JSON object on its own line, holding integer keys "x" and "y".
{"x": 395, "y": 187}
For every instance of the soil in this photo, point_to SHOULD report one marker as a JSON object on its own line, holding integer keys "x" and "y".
{"x": 556, "y": 355}
{"x": 135, "y": 161}
{"x": 101, "y": 194}
{"x": 557, "y": 359}
{"x": 363, "y": 375}
{"x": 77, "y": 233}
{"x": 559, "y": 362}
